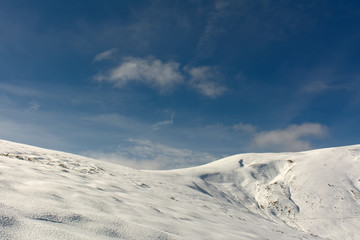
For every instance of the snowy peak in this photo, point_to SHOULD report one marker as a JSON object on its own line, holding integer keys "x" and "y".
{"x": 310, "y": 191}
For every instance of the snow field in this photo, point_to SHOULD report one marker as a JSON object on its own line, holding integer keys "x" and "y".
{"x": 47, "y": 194}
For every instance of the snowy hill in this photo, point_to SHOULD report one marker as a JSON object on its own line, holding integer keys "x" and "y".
{"x": 47, "y": 194}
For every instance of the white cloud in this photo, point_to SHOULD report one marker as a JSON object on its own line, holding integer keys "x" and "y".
{"x": 292, "y": 138}
{"x": 145, "y": 154}
{"x": 149, "y": 71}
{"x": 206, "y": 80}
{"x": 105, "y": 55}
{"x": 163, "y": 76}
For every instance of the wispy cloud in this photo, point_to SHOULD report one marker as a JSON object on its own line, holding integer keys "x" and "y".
{"x": 145, "y": 154}
{"x": 239, "y": 128}
{"x": 206, "y": 80}
{"x": 117, "y": 121}
{"x": 244, "y": 127}
{"x": 34, "y": 106}
{"x": 19, "y": 90}
{"x": 157, "y": 126}
{"x": 206, "y": 45}
{"x": 108, "y": 54}
{"x": 292, "y": 138}
{"x": 316, "y": 87}
{"x": 163, "y": 76}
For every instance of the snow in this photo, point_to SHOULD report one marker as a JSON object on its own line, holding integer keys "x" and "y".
{"x": 47, "y": 194}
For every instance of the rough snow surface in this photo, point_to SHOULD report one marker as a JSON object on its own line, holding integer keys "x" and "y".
{"x": 47, "y": 194}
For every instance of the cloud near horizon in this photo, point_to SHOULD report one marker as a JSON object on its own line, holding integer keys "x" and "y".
{"x": 292, "y": 138}
{"x": 146, "y": 154}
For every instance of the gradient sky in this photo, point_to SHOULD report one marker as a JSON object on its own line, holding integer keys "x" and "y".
{"x": 167, "y": 84}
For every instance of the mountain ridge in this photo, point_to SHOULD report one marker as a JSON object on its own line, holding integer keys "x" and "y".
{"x": 48, "y": 194}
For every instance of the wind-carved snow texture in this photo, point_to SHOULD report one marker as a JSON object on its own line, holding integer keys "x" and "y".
{"x": 47, "y": 194}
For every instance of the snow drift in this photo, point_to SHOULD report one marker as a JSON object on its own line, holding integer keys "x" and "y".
{"x": 47, "y": 194}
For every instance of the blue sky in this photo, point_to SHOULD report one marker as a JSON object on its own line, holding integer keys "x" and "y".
{"x": 166, "y": 84}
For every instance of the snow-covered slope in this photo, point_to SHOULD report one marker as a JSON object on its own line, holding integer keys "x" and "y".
{"x": 47, "y": 194}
